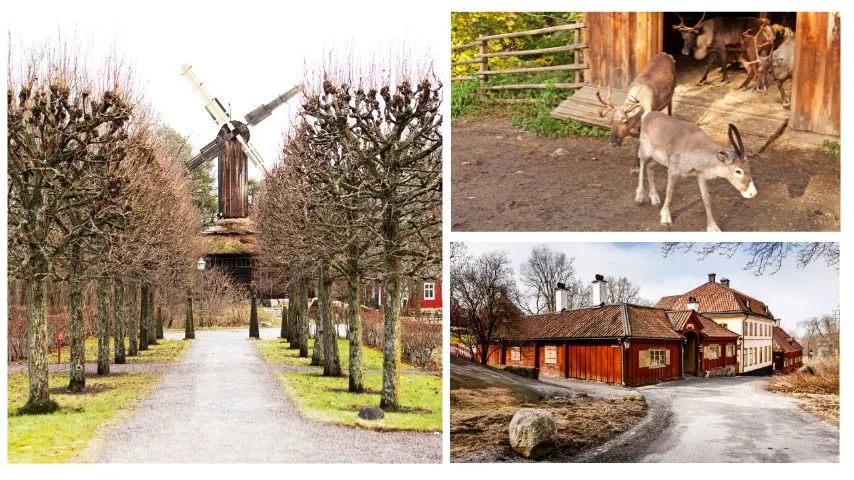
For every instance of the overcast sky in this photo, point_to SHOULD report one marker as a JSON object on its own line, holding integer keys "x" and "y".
{"x": 246, "y": 52}
{"x": 791, "y": 294}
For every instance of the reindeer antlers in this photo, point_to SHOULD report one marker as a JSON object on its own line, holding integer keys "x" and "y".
{"x": 607, "y": 103}
{"x": 684, "y": 27}
{"x": 769, "y": 36}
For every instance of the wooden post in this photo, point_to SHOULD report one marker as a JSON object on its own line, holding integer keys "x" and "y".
{"x": 484, "y": 61}
{"x": 253, "y": 313}
{"x": 189, "y": 331}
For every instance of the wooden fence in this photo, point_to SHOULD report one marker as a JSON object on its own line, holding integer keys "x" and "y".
{"x": 576, "y": 44}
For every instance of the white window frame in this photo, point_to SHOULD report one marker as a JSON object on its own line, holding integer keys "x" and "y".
{"x": 550, "y": 354}
{"x": 657, "y": 355}
{"x": 432, "y": 290}
{"x": 515, "y": 354}
{"x": 712, "y": 349}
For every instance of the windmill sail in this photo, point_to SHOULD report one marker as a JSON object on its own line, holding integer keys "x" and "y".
{"x": 265, "y": 110}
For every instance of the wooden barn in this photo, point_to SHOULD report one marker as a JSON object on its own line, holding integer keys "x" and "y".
{"x": 621, "y": 344}
{"x": 709, "y": 347}
{"x": 788, "y": 353}
{"x": 619, "y": 45}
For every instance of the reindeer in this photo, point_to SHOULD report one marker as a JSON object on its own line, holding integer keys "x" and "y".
{"x": 778, "y": 66}
{"x": 751, "y": 57}
{"x": 685, "y": 149}
{"x": 717, "y": 36}
{"x": 651, "y": 91}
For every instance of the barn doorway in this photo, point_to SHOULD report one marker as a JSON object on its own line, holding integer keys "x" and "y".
{"x": 714, "y": 104}
{"x": 690, "y": 354}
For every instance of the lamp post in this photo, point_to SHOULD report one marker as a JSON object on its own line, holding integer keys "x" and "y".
{"x": 201, "y": 266}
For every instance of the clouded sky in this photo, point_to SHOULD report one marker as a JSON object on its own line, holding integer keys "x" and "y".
{"x": 246, "y": 52}
{"x": 791, "y": 294}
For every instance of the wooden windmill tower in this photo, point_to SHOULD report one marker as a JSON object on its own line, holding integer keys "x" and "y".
{"x": 232, "y": 147}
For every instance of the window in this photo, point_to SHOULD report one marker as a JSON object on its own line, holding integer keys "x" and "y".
{"x": 551, "y": 354}
{"x": 429, "y": 291}
{"x": 750, "y": 356}
{"x": 713, "y": 351}
{"x": 515, "y": 354}
{"x": 657, "y": 357}
{"x": 730, "y": 350}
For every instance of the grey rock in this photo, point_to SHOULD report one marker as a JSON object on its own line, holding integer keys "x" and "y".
{"x": 532, "y": 432}
{"x": 371, "y": 412}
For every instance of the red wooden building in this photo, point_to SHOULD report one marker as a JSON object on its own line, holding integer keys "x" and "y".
{"x": 422, "y": 295}
{"x": 709, "y": 347}
{"x": 622, "y": 344}
{"x": 788, "y": 353}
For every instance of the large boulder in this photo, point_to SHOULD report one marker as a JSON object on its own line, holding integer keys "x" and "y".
{"x": 532, "y": 432}
{"x": 371, "y": 413}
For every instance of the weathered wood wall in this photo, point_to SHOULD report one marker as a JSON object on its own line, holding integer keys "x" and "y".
{"x": 233, "y": 181}
{"x": 598, "y": 361}
{"x": 637, "y": 375}
{"x": 621, "y": 44}
{"x": 816, "y": 87}
{"x": 723, "y": 360}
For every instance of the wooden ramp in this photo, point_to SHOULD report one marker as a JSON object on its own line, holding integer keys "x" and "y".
{"x": 757, "y": 118}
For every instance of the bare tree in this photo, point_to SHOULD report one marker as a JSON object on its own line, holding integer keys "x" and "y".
{"x": 821, "y": 335}
{"x": 541, "y": 273}
{"x": 764, "y": 257}
{"x": 622, "y": 290}
{"x": 481, "y": 303}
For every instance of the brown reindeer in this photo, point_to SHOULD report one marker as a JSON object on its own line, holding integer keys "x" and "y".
{"x": 651, "y": 91}
{"x": 760, "y": 45}
{"x": 715, "y": 39}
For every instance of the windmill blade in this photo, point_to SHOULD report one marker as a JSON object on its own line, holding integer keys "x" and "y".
{"x": 206, "y": 154}
{"x": 252, "y": 154}
{"x": 265, "y": 110}
{"x": 212, "y": 104}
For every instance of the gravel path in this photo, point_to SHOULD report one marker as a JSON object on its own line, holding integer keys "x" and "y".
{"x": 221, "y": 403}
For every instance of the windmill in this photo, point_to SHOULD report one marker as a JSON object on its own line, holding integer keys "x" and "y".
{"x": 232, "y": 147}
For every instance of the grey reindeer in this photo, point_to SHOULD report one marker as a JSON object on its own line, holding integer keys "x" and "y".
{"x": 685, "y": 149}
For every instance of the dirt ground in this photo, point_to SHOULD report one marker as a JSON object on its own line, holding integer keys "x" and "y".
{"x": 483, "y": 404}
{"x": 505, "y": 179}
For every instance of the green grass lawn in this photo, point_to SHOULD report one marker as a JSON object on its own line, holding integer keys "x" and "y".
{"x": 274, "y": 351}
{"x": 59, "y": 436}
{"x": 166, "y": 351}
{"x": 327, "y": 399}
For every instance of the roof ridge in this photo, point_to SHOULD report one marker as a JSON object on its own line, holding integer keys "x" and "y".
{"x": 627, "y": 324}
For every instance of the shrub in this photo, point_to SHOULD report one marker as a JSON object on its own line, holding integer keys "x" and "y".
{"x": 464, "y": 98}
{"x": 420, "y": 340}
{"x": 832, "y": 147}
{"x": 822, "y": 378}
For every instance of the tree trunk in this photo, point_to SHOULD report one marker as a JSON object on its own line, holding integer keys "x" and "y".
{"x": 118, "y": 327}
{"x": 390, "y": 396}
{"x": 159, "y": 325}
{"x": 37, "y": 350}
{"x": 285, "y": 330}
{"x": 189, "y": 330}
{"x": 143, "y": 317}
{"x": 253, "y": 316}
{"x": 354, "y": 332}
{"x": 103, "y": 293}
{"x": 301, "y": 322}
{"x": 317, "y": 351}
{"x": 152, "y": 331}
{"x": 77, "y": 366}
{"x": 133, "y": 321}
{"x": 331, "y": 361}
{"x": 419, "y": 288}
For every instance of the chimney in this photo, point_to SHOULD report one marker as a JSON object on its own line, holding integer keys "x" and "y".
{"x": 712, "y": 278}
{"x": 693, "y": 304}
{"x": 725, "y": 282}
{"x": 599, "y": 290}
{"x": 560, "y": 297}
{"x": 777, "y": 322}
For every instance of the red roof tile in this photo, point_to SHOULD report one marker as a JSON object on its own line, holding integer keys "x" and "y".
{"x": 714, "y": 297}
{"x": 786, "y": 342}
{"x": 609, "y": 321}
{"x": 678, "y": 318}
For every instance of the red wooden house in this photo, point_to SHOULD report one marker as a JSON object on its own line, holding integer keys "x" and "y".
{"x": 428, "y": 294}
{"x": 709, "y": 347}
{"x": 788, "y": 353}
{"x": 622, "y": 344}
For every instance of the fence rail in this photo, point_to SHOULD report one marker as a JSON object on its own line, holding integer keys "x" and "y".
{"x": 576, "y": 44}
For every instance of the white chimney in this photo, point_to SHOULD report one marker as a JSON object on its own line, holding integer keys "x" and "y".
{"x": 599, "y": 290}
{"x": 693, "y": 304}
{"x": 777, "y": 322}
{"x": 561, "y": 300}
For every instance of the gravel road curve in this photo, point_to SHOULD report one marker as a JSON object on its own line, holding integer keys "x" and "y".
{"x": 222, "y": 404}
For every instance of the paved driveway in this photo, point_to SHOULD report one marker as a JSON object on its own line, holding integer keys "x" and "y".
{"x": 221, "y": 403}
{"x": 722, "y": 420}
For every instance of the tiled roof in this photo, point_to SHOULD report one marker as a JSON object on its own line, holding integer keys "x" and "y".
{"x": 678, "y": 318}
{"x": 715, "y": 297}
{"x": 781, "y": 340}
{"x": 609, "y": 321}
